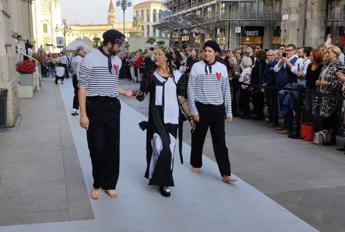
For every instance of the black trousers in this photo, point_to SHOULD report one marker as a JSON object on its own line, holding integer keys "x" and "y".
{"x": 331, "y": 124}
{"x": 76, "y": 89}
{"x": 272, "y": 104}
{"x": 66, "y": 70}
{"x": 59, "y": 78}
{"x": 244, "y": 101}
{"x": 258, "y": 99}
{"x": 103, "y": 137}
{"x": 210, "y": 116}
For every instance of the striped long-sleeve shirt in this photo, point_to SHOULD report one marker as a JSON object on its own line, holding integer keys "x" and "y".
{"x": 209, "y": 88}
{"x": 95, "y": 76}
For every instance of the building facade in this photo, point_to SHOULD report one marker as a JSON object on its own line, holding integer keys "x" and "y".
{"x": 46, "y": 17}
{"x": 148, "y": 13}
{"x": 252, "y": 22}
{"x": 15, "y": 19}
{"x": 94, "y": 31}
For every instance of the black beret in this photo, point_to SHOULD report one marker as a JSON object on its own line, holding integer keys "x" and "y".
{"x": 212, "y": 44}
{"x": 113, "y": 36}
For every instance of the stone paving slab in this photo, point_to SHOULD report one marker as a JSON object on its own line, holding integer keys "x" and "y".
{"x": 198, "y": 202}
{"x": 41, "y": 178}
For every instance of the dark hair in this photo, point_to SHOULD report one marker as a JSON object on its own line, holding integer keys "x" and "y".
{"x": 307, "y": 50}
{"x": 291, "y": 45}
{"x": 261, "y": 55}
{"x": 317, "y": 56}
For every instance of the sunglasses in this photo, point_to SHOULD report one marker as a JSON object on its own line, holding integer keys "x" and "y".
{"x": 289, "y": 50}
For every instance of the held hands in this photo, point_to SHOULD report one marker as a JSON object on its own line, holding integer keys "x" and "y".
{"x": 340, "y": 76}
{"x": 323, "y": 83}
{"x": 84, "y": 121}
{"x": 129, "y": 93}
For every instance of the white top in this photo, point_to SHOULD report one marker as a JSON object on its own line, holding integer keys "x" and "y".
{"x": 209, "y": 88}
{"x": 171, "y": 106}
{"x": 60, "y": 71}
{"x": 76, "y": 61}
{"x": 95, "y": 76}
{"x": 63, "y": 60}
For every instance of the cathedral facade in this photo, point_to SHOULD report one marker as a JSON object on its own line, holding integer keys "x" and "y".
{"x": 46, "y": 18}
{"x": 94, "y": 31}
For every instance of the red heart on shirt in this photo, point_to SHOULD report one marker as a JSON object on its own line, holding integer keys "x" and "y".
{"x": 218, "y": 75}
{"x": 116, "y": 68}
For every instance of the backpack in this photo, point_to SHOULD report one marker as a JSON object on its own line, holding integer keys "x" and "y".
{"x": 322, "y": 137}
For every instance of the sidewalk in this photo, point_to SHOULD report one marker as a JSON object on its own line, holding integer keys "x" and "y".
{"x": 41, "y": 179}
{"x": 198, "y": 202}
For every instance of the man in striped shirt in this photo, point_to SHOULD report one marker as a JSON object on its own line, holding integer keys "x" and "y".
{"x": 209, "y": 100}
{"x": 100, "y": 111}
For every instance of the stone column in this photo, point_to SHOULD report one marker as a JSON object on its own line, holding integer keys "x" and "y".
{"x": 293, "y": 26}
{"x": 268, "y": 36}
{"x": 316, "y": 23}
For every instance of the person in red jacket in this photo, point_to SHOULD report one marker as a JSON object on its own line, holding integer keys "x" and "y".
{"x": 137, "y": 64}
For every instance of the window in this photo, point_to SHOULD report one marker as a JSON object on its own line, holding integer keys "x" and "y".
{"x": 154, "y": 16}
{"x": 148, "y": 15}
{"x": 142, "y": 15}
{"x": 137, "y": 14}
{"x": 160, "y": 15}
{"x": 45, "y": 28}
{"x": 148, "y": 31}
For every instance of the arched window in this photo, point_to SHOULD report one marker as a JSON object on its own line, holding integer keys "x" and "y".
{"x": 160, "y": 15}
{"x": 137, "y": 14}
{"x": 45, "y": 28}
{"x": 142, "y": 15}
{"x": 154, "y": 16}
{"x": 147, "y": 15}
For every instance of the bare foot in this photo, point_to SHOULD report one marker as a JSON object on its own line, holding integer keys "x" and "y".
{"x": 229, "y": 179}
{"x": 196, "y": 170}
{"x": 112, "y": 193}
{"x": 96, "y": 193}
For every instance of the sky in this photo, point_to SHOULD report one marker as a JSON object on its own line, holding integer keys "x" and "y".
{"x": 92, "y": 11}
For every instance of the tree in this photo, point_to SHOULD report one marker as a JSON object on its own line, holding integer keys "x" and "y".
{"x": 96, "y": 42}
{"x": 127, "y": 45}
{"x": 160, "y": 42}
{"x": 151, "y": 40}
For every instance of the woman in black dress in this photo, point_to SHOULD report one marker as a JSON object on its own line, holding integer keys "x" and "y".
{"x": 167, "y": 89}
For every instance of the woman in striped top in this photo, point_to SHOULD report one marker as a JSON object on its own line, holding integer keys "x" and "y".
{"x": 167, "y": 90}
{"x": 209, "y": 100}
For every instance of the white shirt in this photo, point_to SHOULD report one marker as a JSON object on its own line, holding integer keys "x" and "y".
{"x": 60, "y": 71}
{"x": 95, "y": 76}
{"x": 76, "y": 61}
{"x": 63, "y": 60}
{"x": 171, "y": 106}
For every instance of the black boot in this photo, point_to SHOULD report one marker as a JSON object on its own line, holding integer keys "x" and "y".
{"x": 332, "y": 141}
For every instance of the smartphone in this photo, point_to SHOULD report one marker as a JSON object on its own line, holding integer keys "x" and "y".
{"x": 284, "y": 54}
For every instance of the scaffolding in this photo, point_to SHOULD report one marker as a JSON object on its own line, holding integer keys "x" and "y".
{"x": 196, "y": 13}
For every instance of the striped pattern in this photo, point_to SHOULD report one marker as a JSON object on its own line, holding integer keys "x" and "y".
{"x": 95, "y": 76}
{"x": 212, "y": 89}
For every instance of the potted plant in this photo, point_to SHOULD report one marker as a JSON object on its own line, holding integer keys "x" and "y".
{"x": 26, "y": 68}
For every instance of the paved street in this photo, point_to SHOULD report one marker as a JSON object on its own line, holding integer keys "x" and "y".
{"x": 308, "y": 180}
{"x": 221, "y": 207}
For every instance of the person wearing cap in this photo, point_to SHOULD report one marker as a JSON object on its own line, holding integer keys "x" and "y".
{"x": 76, "y": 61}
{"x": 100, "y": 111}
{"x": 209, "y": 101}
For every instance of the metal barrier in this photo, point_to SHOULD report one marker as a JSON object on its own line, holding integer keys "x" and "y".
{"x": 3, "y": 107}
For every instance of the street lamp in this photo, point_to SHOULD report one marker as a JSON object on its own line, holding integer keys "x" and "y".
{"x": 124, "y": 4}
{"x": 64, "y": 28}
